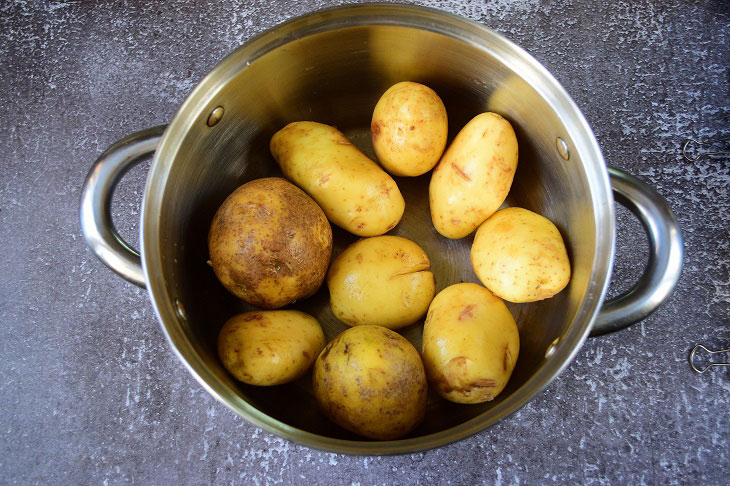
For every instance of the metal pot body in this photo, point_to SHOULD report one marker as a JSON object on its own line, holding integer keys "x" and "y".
{"x": 332, "y": 66}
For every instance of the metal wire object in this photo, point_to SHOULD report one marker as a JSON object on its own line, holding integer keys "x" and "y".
{"x": 703, "y": 142}
{"x": 700, "y": 143}
{"x": 709, "y": 351}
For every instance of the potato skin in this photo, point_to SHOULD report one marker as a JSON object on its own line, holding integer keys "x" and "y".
{"x": 520, "y": 256}
{"x": 269, "y": 347}
{"x": 269, "y": 243}
{"x": 354, "y": 192}
{"x": 383, "y": 280}
{"x": 370, "y": 380}
{"x": 470, "y": 344}
{"x": 409, "y": 129}
{"x": 474, "y": 176}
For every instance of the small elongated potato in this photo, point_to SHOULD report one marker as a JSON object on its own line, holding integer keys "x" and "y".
{"x": 269, "y": 243}
{"x": 370, "y": 380}
{"x": 474, "y": 176}
{"x": 520, "y": 256}
{"x": 270, "y": 347}
{"x": 354, "y": 192}
{"x": 470, "y": 344}
{"x": 383, "y": 281}
{"x": 409, "y": 129}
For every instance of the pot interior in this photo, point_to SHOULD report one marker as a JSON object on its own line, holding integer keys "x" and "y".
{"x": 332, "y": 69}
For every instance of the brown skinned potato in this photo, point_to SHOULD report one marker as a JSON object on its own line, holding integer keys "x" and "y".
{"x": 270, "y": 243}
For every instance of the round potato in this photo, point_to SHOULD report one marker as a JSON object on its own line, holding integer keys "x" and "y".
{"x": 370, "y": 380}
{"x": 470, "y": 344}
{"x": 269, "y": 347}
{"x": 384, "y": 281}
{"x": 520, "y": 256}
{"x": 409, "y": 129}
{"x": 269, "y": 243}
{"x": 474, "y": 176}
{"x": 354, "y": 192}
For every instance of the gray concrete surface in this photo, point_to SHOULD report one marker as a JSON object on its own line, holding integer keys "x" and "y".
{"x": 90, "y": 393}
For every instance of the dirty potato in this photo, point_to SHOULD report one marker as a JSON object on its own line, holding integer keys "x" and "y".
{"x": 474, "y": 176}
{"x": 520, "y": 256}
{"x": 269, "y": 347}
{"x": 470, "y": 344}
{"x": 370, "y": 380}
{"x": 409, "y": 129}
{"x": 354, "y": 192}
{"x": 269, "y": 243}
{"x": 384, "y": 280}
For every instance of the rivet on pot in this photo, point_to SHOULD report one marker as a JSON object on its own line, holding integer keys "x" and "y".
{"x": 562, "y": 148}
{"x": 215, "y": 116}
{"x": 551, "y": 349}
{"x": 180, "y": 310}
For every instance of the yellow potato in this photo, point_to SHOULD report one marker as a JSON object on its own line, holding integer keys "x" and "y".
{"x": 383, "y": 281}
{"x": 354, "y": 192}
{"x": 470, "y": 344}
{"x": 520, "y": 256}
{"x": 370, "y": 380}
{"x": 409, "y": 129}
{"x": 269, "y": 347}
{"x": 474, "y": 176}
{"x": 269, "y": 243}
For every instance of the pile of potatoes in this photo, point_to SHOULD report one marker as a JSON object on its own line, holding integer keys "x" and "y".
{"x": 270, "y": 244}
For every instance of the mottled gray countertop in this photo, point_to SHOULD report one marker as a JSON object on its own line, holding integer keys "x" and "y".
{"x": 90, "y": 393}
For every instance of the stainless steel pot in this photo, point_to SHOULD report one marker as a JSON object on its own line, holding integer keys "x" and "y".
{"x": 331, "y": 66}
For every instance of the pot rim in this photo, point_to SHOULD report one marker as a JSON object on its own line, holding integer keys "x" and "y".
{"x": 429, "y": 19}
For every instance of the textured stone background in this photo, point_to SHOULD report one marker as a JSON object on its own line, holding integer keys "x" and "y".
{"x": 90, "y": 392}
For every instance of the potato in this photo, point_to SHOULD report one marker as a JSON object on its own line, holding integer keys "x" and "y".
{"x": 269, "y": 347}
{"x": 520, "y": 256}
{"x": 354, "y": 192}
{"x": 470, "y": 344}
{"x": 269, "y": 243}
{"x": 370, "y": 380}
{"x": 409, "y": 129}
{"x": 384, "y": 280}
{"x": 474, "y": 176}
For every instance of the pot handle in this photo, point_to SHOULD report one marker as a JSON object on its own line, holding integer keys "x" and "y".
{"x": 665, "y": 255}
{"x": 96, "y": 197}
